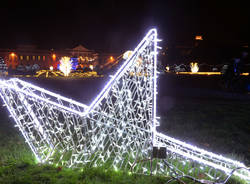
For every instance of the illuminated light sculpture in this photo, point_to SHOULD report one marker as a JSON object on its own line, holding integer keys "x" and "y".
{"x": 199, "y": 73}
{"x": 3, "y": 67}
{"x": 194, "y": 67}
{"x": 91, "y": 67}
{"x": 167, "y": 68}
{"x": 206, "y": 73}
{"x": 48, "y": 73}
{"x": 65, "y": 65}
{"x": 127, "y": 54}
{"x": 118, "y": 127}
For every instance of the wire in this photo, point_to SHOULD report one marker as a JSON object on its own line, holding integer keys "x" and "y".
{"x": 178, "y": 176}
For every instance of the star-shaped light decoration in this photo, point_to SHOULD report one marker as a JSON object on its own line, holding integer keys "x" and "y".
{"x": 117, "y": 129}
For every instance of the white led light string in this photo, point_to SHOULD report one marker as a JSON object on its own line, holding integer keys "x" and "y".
{"x": 118, "y": 127}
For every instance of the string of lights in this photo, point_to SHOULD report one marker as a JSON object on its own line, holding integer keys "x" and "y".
{"x": 118, "y": 127}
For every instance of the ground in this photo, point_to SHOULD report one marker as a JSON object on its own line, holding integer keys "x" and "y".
{"x": 199, "y": 114}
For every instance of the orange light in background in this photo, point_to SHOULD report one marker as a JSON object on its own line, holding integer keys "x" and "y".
{"x": 198, "y": 37}
{"x": 54, "y": 56}
{"x": 199, "y": 73}
{"x": 111, "y": 58}
{"x": 12, "y": 54}
{"x": 206, "y": 73}
{"x": 245, "y": 74}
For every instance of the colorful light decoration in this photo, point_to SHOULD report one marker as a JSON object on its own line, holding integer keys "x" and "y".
{"x": 198, "y": 37}
{"x": 65, "y": 65}
{"x": 118, "y": 127}
{"x": 194, "y": 67}
{"x": 206, "y": 73}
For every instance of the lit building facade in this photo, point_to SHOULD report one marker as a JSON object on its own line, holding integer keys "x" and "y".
{"x": 29, "y": 55}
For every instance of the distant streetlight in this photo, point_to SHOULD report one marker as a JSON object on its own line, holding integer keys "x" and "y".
{"x": 13, "y": 61}
{"x": 12, "y": 54}
{"x": 111, "y": 58}
{"x": 54, "y": 57}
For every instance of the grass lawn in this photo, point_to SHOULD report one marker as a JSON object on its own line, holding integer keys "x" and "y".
{"x": 219, "y": 126}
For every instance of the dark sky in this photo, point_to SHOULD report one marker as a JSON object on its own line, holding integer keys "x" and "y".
{"x": 117, "y": 25}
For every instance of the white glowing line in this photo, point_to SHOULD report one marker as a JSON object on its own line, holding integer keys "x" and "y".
{"x": 155, "y": 86}
{"x": 204, "y": 153}
{"x": 119, "y": 73}
{"x": 216, "y": 166}
{"x": 51, "y": 93}
{"x": 220, "y": 157}
{"x": 42, "y": 99}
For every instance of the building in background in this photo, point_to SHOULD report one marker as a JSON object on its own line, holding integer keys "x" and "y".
{"x": 30, "y": 55}
{"x": 82, "y": 55}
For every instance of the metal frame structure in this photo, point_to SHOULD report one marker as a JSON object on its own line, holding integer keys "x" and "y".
{"x": 117, "y": 129}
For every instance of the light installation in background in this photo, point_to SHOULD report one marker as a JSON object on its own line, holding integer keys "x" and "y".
{"x": 74, "y": 63}
{"x": 48, "y": 73}
{"x": 65, "y": 65}
{"x": 199, "y": 73}
{"x": 3, "y": 67}
{"x": 127, "y": 54}
{"x": 91, "y": 67}
{"x": 118, "y": 127}
{"x": 194, "y": 67}
{"x": 206, "y": 73}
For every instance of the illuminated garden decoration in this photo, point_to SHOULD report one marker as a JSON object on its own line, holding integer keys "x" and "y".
{"x": 3, "y": 67}
{"x": 117, "y": 128}
{"x": 65, "y": 65}
{"x": 194, "y": 67}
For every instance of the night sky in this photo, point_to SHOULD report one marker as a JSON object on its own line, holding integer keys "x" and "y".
{"x": 115, "y": 26}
